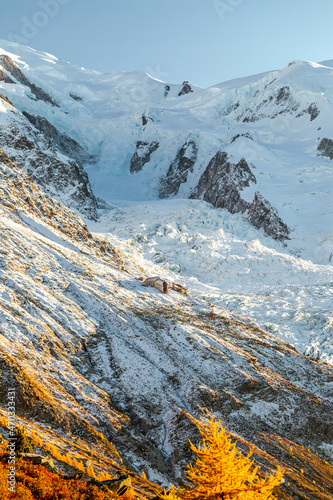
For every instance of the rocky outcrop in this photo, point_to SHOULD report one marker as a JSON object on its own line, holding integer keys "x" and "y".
{"x": 222, "y": 181}
{"x": 63, "y": 142}
{"x": 5, "y": 78}
{"x": 247, "y": 135}
{"x": 18, "y": 192}
{"x": 185, "y": 89}
{"x": 36, "y": 459}
{"x": 221, "y": 185}
{"x": 262, "y": 215}
{"x": 311, "y": 110}
{"x": 325, "y": 148}
{"x": 75, "y": 97}
{"x": 142, "y": 155}
{"x": 231, "y": 108}
{"x": 178, "y": 170}
{"x": 64, "y": 180}
{"x": 9, "y": 65}
{"x": 21, "y": 195}
{"x": 144, "y": 120}
{"x": 282, "y": 95}
{"x": 118, "y": 486}
{"x": 4, "y": 98}
{"x": 285, "y": 103}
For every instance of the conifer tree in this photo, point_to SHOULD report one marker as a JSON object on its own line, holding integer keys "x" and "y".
{"x": 221, "y": 472}
{"x": 22, "y": 443}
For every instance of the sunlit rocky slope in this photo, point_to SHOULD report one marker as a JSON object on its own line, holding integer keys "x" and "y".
{"x": 89, "y": 351}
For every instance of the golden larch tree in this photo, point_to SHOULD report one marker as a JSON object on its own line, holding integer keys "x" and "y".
{"x": 221, "y": 472}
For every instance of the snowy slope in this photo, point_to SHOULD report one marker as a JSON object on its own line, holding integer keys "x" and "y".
{"x": 90, "y": 349}
{"x": 279, "y": 119}
{"x": 274, "y": 120}
{"x": 225, "y": 263}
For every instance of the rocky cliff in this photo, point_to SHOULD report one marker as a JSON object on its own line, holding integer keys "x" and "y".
{"x": 40, "y": 149}
{"x": 142, "y": 155}
{"x": 222, "y": 182}
{"x": 221, "y": 185}
{"x": 179, "y": 169}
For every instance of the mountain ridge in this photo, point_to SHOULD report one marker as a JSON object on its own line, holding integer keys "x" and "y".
{"x": 119, "y": 110}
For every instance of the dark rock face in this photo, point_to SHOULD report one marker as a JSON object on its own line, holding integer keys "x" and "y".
{"x": 5, "y": 78}
{"x": 222, "y": 181}
{"x": 186, "y": 88}
{"x": 178, "y": 170}
{"x": 262, "y": 215}
{"x": 142, "y": 155}
{"x": 144, "y": 120}
{"x": 15, "y": 71}
{"x": 64, "y": 143}
{"x": 231, "y": 108}
{"x": 280, "y": 102}
{"x": 251, "y": 118}
{"x": 166, "y": 90}
{"x": 282, "y": 95}
{"x": 75, "y": 97}
{"x": 313, "y": 111}
{"x": 247, "y": 135}
{"x": 64, "y": 180}
{"x": 221, "y": 185}
{"x": 325, "y": 148}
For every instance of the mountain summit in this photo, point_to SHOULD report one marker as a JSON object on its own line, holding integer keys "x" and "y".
{"x": 259, "y": 146}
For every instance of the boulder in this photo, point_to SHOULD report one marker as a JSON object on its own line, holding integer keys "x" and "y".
{"x": 44, "y": 460}
{"x": 118, "y": 486}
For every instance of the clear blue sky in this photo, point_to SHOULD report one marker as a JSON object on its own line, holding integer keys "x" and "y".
{"x": 203, "y": 41}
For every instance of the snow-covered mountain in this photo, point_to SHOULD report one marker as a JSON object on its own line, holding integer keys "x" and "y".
{"x": 227, "y": 190}
{"x": 249, "y": 145}
{"x": 259, "y": 146}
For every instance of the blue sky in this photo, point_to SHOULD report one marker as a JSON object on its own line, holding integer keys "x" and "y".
{"x": 203, "y": 41}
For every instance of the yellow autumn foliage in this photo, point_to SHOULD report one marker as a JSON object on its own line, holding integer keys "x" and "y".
{"x": 3, "y": 422}
{"x": 221, "y": 472}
